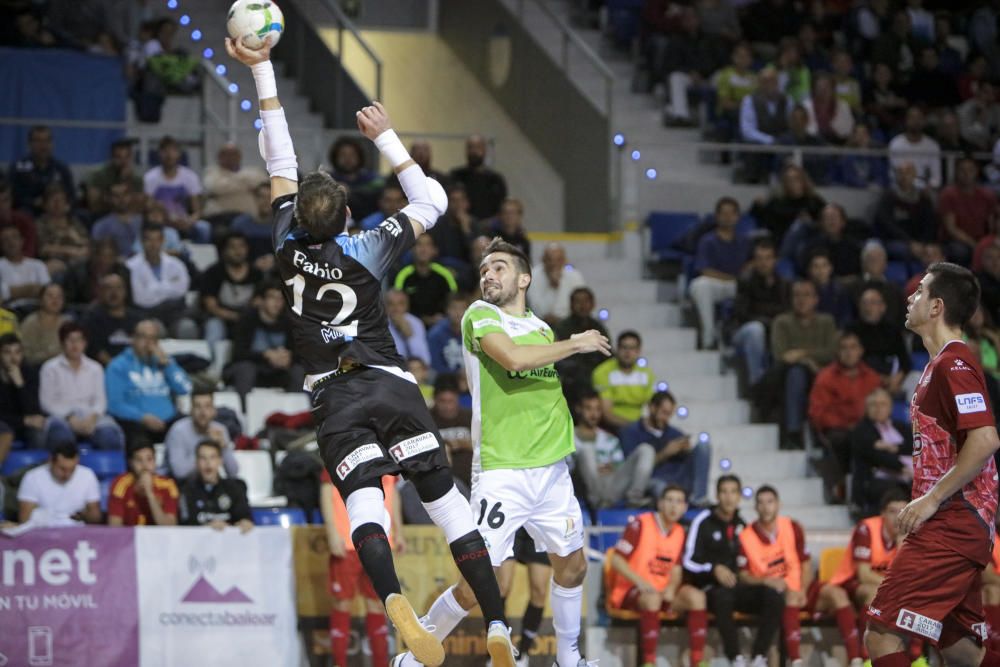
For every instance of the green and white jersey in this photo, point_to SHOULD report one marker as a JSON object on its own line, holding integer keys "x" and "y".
{"x": 519, "y": 419}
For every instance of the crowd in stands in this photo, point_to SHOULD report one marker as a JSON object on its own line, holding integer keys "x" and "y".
{"x": 870, "y": 74}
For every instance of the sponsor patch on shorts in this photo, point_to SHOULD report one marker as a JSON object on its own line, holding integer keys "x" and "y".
{"x": 970, "y": 403}
{"x": 981, "y": 630}
{"x": 404, "y": 449}
{"x": 368, "y": 452}
{"x": 919, "y": 624}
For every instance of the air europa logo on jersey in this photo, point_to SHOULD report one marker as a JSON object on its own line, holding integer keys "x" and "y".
{"x": 532, "y": 374}
{"x": 318, "y": 269}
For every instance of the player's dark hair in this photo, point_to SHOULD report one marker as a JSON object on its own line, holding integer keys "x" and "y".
{"x": 321, "y": 206}
{"x": 445, "y": 382}
{"x": 208, "y": 443}
{"x": 136, "y": 447}
{"x": 202, "y": 392}
{"x": 728, "y": 478}
{"x": 673, "y": 487}
{"x": 763, "y": 244}
{"x": 152, "y": 227}
{"x": 726, "y": 201}
{"x": 265, "y": 286}
{"x": 767, "y": 488}
{"x": 67, "y": 450}
{"x": 521, "y": 261}
{"x": 9, "y": 339}
{"x": 66, "y": 329}
{"x": 657, "y": 399}
{"x": 629, "y": 333}
{"x": 957, "y": 288}
{"x": 893, "y": 495}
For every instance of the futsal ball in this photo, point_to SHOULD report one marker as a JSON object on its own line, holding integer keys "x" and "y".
{"x": 254, "y": 21}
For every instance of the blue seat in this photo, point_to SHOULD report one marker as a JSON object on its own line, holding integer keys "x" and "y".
{"x": 901, "y": 411}
{"x": 317, "y": 517}
{"x": 105, "y": 485}
{"x": 19, "y": 444}
{"x": 897, "y": 273}
{"x": 665, "y": 229}
{"x": 106, "y": 464}
{"x": 919, "y": 359}
{"x": 23, "y": 458}
{"x": 747, "y": 225}
{"x": 786, "y": 269}
{"x": 279, "y": 516}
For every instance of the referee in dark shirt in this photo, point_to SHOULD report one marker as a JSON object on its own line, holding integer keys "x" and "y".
{"x": 209, "y": 500}
{"x": 711, "y": 557}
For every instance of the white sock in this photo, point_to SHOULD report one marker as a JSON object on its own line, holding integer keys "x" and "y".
{"x": 445, "y": 614}
{"x": 567, "y": 609}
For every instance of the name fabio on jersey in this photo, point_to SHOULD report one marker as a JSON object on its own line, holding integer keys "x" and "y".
{"x": 318, "y": 269}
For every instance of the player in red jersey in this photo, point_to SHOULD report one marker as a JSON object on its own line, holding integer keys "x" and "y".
{"x": 933, "y": 589}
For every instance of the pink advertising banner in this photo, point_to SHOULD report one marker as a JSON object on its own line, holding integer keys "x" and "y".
{"x": 68, "y": 596}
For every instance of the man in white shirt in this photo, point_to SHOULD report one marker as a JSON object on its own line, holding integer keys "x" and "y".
{"x": 229, "y": 187}
{"x": 917, "y": 148}
{"x": 159, "y": 284}
{"x": 67, "y": 492}
{"x": 21, "y": 278}
{"x": 553, "y": 284}
{"x": 71, "y": 392}
{"x": 608, "y": 476}
{"x": 179, "y": 189}
{"x": 184, "y": 436}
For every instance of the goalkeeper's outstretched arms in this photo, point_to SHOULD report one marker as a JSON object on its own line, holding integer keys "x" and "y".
{"x": 427, "y": 199}
{"x": 275, "y": 142}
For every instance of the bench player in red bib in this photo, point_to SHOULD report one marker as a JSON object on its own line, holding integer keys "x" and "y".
{"x": 933, "y": 590}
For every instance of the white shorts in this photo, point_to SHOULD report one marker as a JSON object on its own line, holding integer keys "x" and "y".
{"x": 539, "y": 499}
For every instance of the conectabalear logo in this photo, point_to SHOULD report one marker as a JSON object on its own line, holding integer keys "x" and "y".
{"x": 204, "y": 591}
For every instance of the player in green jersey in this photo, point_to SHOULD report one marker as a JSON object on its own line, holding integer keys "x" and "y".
{"x": 522, "y": 433}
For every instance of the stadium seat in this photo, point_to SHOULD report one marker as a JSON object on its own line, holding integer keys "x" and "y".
{"x": 279, "y": 516}
{"x": 106, "y": 464}
{"x": 901, "y": 411}
{"x": 262, "y": 403}
{"x": 919, "y": 360}
{"x": 786, "y": 269}
{"x": 19, "y": 444}
{"x": 257, "y": 471}
{"x": 222, "y": 399}
{"x": 105, "y": 485}
{"x": 317, "y": 517}
{"x": 897, "y": 273}
{"x": 665, "y": 229}
{"x": 202, "y": 255}
{"x": 198, "y": 348}
{"x": 23, "y": 458}
{"x": 829, "y": 561}
{"x": 747, "y": 225}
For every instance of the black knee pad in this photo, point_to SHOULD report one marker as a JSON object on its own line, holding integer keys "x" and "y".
{"x": 433, "y": 484}
{"x": 370, "y": 538}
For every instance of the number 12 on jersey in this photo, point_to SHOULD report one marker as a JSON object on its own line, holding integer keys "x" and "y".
{"x": 349, "y": 301}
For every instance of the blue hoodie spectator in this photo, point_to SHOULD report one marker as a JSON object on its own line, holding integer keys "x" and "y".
{"x": 141, "y": 382}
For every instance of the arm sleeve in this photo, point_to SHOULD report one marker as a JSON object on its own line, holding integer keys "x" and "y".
{"x": 861, "y": 545}
{"x": 179, "y": 281}
{"x": 480, "y": 321}
{"x": 116, "y": 383}
{"x": 629, "y": 539}
{"x": 417, "y": 343}
{"x": 116, "y": 500}
{"x": 48, "y": 393}
{"x": 748, "y": 124}
{"x": 180, "y": 459}
{"x": 966, "y": 401}
{"x": 177, "y": 379}
{"x": 379, "y": 249}
{"x": 696, "y": 559}
{"x": 28, "y": 492}
{"x": 241, "y": 506}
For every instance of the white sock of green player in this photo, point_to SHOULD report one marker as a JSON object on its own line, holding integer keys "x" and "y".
{"x": 567, "y": 608}
{"x": 445, "y": 614}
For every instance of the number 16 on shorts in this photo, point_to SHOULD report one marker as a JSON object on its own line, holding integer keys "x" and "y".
{"x": 494, "y": 518}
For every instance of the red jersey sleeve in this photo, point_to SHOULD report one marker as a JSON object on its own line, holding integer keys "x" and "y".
{"x": 861, "y": 544}
{"x": 168, "y": 497}
{"x": 325, "y": 477}
{"x": 629, "y": 539}
{"x": 116, "y": 499}
{"x": 800, "y": 542}
{"x": 966, "y": 403}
